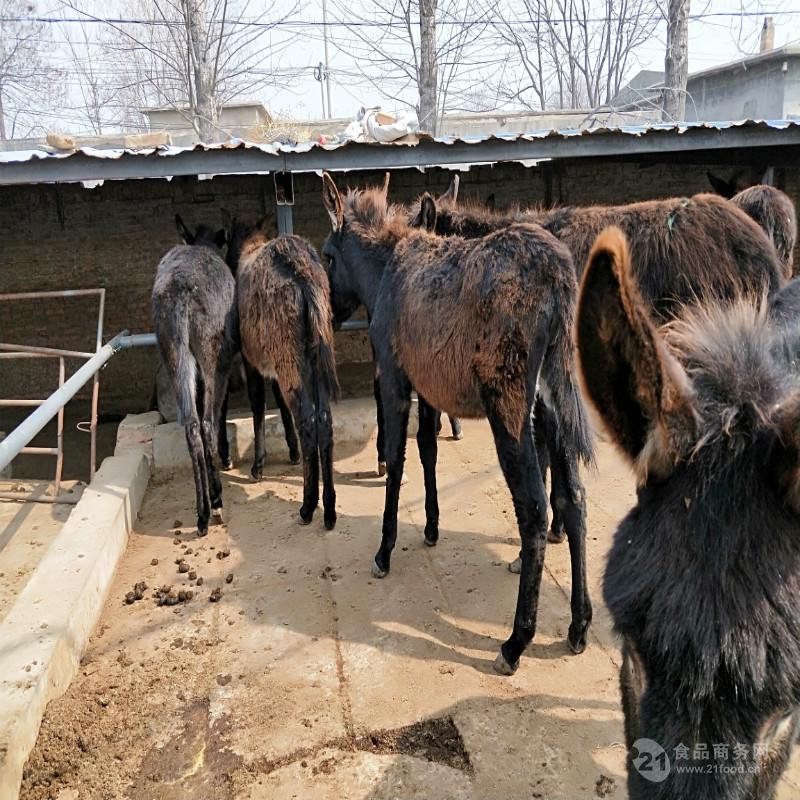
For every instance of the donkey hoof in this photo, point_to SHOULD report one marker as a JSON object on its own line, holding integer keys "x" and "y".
{"x": 217, "y": 516}
{"x": 576, "y": 638}
{"x": 515, "y": 566}
{"x": 502, "y": 667}
{"x": 381, "y": 468}
{"x": 294, "y": 457}
{"x": 377, "y": 572}
{"x": 431, "y": 537}
{"x": 556, "y": 537}
{"x": 202, "y": 527}
{"x": 256, "y": 474}
{"x": 330, "y": 522}
{"x": 227, "y": 463}
{"x": 457, "y": 436}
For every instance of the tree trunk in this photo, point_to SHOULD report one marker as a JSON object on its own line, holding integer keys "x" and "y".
{"x": 205, "y": 110}
{"x": 3, "y": 136}
{"x": 676, "y": 62}
{"x": 428, "y": 77}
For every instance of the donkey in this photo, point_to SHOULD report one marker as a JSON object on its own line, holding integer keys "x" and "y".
{"x": 287, "y": 335}
{"x": 703, "y": 578}
{"x": 774, "y": 212}
{"x": 194, "y": 312}
{"x": 474, "y": 327}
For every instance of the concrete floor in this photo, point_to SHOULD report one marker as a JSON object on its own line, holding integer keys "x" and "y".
{"x": 311, "y": 679}
{"x": 26, "y": 531}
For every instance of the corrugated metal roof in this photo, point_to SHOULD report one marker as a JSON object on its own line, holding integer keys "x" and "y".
{"x": 238, "y": 156}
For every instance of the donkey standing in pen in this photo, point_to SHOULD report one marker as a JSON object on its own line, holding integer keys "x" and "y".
{"x": 703, "y": 579}
{"x": 684, "y": 250}
{"x": 194, "y": 313}
{"x": 474, "y": 327}
{"x": 287, "y": 335}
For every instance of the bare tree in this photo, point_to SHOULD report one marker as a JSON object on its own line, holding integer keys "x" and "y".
{"x": 419, "y": 53}
{"x": 569, "y": 53}
{"x": 25, "y": 80}
{"x": 194, "y": 56}
{"x": 676, "y": 61}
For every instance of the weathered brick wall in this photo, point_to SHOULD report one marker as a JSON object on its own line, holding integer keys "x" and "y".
{"x": 68, "y": 237}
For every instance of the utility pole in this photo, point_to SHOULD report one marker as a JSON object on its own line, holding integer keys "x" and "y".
{"x": 327, "y": 59}
{"x": 319, "y": 75}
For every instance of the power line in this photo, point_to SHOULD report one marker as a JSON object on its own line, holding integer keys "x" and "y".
{"x": 300, "y": 24}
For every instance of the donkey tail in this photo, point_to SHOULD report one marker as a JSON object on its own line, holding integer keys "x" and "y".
{"x": 559, "y": 373}
{"x": 185, "y": 376}
{"x": 320, "y": 337}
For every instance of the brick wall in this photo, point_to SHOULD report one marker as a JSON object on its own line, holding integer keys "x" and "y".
{"x": 112, "y": 236}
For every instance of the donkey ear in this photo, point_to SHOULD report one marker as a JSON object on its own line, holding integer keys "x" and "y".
{"x": 491, "y": 202}
{"x": 227, "y": 219}
{"x": 332, "y": 201}
{"x": 720, "y": 186}
{"x": 385, "y": 187}
{"x": 451, "y": 195}
{"x": 183, "y": 231}
{"x": 262, "y": 224}
{"x": 638, "y": 389}
{"x": 220, "y": 238}
{"x": 426, "y": 216}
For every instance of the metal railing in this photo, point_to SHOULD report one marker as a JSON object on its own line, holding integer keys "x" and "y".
{"x": 10, "y": 350}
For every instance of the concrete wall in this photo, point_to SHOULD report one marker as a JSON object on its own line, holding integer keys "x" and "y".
{"x": 64, "y": 237}
{"x": 756, "y": 92}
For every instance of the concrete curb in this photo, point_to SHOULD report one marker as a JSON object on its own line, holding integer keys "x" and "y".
{"x": 44, "y": 635}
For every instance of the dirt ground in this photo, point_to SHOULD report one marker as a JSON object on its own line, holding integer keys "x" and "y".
{"x": 310, "y": 679}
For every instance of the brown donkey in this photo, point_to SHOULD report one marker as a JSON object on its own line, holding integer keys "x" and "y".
{"x": 474, "y": 327}
{"x": 703, "y": 578}
{"x": 287, "y": 335}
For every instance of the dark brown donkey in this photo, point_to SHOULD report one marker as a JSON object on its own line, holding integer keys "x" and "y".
{"x": 703, "y": 579}
{"x": 474, "y": 327}
{"x": 194, "y": 313}
{"x": 684, "y": 250}
{"x": 287, "y": 334}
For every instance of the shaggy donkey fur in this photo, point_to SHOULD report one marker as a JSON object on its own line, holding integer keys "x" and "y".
{"x": 287, "y": 335}
{"x": 194, "y": 313}
{"x": 703, "y": 579}
{"x": 774, "y": 212}
{"x": 683, "y": 249}
{"x": 473, "y": 326}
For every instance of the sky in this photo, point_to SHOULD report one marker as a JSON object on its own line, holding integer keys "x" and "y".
{"x": 717, "y": 38}
{"x": 713, "y": 40}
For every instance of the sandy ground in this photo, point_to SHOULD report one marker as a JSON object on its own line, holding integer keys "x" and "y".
{"x": 310, "y": 679}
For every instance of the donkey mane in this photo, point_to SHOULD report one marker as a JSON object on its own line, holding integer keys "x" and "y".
{"x": 373, "y": 218}
{"x": 734, "y": 357}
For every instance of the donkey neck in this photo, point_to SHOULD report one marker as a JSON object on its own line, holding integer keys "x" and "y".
{"x": 370, "y": 260}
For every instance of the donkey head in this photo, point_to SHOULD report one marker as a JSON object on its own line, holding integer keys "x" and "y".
{"x": 703, "y": 578}
{"x": 240, "y": 232}
{"x": 354, "y": 252}
{"x": 203, "y": 235}
{"x": 425, "y": 217}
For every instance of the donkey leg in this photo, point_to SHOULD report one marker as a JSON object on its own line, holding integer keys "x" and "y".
{"x": 569, "y": 496}
{"x": 213, "y": 397}
{"x": 258, "y": 403}
{"x": 194, "y": 441}
{"x": 325, "y": 445}
{"x": 288, "y": 424}
{"x": 222, "y": 445}
{"x": 304, "y": 417}
{"x": 521, "y": 470}
{"x": 428, "y": 445}
{"x": 396, "y": 401}
{"x": 553, "y": 447}
{"x": 455, "y": 428}
{"x": 376, "y": 390}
